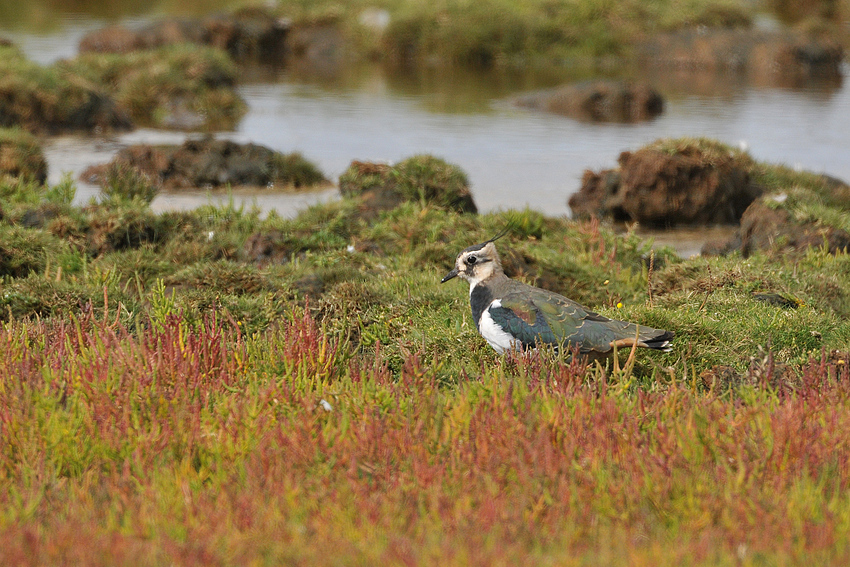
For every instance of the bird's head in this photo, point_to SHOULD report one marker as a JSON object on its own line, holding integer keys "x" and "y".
{"x": 476, "y": 263}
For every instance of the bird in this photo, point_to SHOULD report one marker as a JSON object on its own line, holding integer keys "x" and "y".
{"x": 512, "y": 315}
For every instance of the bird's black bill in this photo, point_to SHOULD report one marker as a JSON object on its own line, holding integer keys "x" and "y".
{"x": 450, "y": 275}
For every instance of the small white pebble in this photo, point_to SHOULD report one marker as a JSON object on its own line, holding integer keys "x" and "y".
{"x": 350, "y": 249}
{"x": 210, "y": 235}
{"x": 780, "y": 198}
{"x": 325, "y": 405}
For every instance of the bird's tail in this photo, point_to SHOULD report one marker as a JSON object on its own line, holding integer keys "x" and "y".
{"x": 660, "y": 341}
{"x": 647, "y": 337}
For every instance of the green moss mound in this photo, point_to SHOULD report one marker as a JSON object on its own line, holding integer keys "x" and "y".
{"x": 53, "y": 99}
{"x": 422, "y": 178}
{"x": 182, "y": 86}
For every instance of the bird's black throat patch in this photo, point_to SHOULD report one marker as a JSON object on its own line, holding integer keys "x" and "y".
{"x": 480, "y": 299}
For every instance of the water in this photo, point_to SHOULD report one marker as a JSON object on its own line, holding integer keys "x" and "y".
{"x": 517, "y": 157}
{"x": 514, "y": 157}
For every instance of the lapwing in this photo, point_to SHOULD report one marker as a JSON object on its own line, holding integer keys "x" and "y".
{"x": 512, "y": 315}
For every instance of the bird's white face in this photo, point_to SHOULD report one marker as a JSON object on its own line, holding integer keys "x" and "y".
{"x": 475, "y": 264}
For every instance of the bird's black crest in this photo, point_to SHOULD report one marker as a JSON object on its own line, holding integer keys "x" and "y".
{"x": 475, "y": 247}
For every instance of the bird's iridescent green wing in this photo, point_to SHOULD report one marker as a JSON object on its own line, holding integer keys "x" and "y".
{"x": 573, "y": 324}
{"x": 591, "y": 332}
{"x": 536, "y": 316}
{"x": 522, "y": 318}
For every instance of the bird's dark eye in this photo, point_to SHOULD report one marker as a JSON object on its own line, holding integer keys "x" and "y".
{"x": 471, "y": 260}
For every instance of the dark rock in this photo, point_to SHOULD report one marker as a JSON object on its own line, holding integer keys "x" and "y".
{"x": 171, "y": 31}
{"x": 214, "y": 163}
{"x": 251, "y": 34}
{"x": 597, "y": 193}
{"x": 599, "y": 101}
{"x": 769, "y": 225}
{"x": 658, "y": 188}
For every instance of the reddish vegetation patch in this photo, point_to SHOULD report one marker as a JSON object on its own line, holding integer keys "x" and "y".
{"x": 663, "y": 189}
{"x": 599, "y": 101}
{"x": 199, "y": 446}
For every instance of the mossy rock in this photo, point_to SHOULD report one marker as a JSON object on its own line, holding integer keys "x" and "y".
{"x": 122, "y": 228}
{"x": 599, "y": 100}
{"x": 494, "y": 33}
{"x": 669, "y": 182}
{"x": 423, "y": 178}
{"x": 799, "y": 211}
{"x": 40, "y": 297}
{"x": 786, "y": 224}
{"x": 182, "y": 87}
{"x": 53, "y": 99}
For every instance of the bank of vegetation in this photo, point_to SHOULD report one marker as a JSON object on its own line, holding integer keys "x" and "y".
{"x": 217, "y": 387}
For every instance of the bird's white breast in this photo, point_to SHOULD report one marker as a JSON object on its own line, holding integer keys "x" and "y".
{"x": 497, "y": 337}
